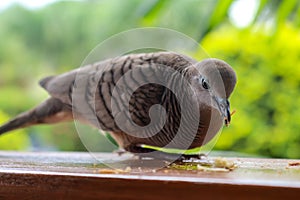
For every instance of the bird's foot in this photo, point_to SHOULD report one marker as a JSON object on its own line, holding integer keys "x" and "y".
{"x": 120, "y": 152}
{"x": 201, "y": 159}
{"x": 173, "y": 157}
{"x": 192, "y": 157}
{"x": 146, "y": 154}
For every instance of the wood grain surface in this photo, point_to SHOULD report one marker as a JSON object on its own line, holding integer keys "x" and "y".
{"x": 44, "y": 175}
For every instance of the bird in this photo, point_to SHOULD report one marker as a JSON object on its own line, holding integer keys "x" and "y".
{"x": 163, "y": 99}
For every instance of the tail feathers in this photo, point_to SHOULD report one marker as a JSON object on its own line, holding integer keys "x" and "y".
{"x": 50, "y": 111}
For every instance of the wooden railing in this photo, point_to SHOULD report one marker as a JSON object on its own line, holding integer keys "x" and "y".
{"x": 81, "y": 176}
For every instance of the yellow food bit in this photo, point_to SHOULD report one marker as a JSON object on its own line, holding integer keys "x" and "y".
{"x": 114, "y": 171}
{"x": 224, "y": 163}
{"x": 233, "y": 112}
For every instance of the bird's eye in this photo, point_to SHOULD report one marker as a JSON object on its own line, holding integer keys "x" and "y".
{"x": 205, "y": 84}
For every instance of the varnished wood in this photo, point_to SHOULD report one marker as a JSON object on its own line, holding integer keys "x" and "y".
{"x": 79, "y": 176}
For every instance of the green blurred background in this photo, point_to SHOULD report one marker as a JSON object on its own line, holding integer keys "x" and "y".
{"x": 260, "y": 39}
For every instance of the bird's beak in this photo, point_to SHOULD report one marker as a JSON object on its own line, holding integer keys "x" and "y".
{"x": 224, "y": 108}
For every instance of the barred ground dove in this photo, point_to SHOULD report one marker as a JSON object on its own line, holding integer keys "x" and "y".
{"x": 162, "y": 99}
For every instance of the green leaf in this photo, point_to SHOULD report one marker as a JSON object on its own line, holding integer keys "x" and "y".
{"x": 173, "y": 151}
{"x": 284, "y": 10}
{"x": 297, "y": 16}
{"x": 262, "y": 6}
{"x": 220, "y": 12}
{"x": 150, "y": 10}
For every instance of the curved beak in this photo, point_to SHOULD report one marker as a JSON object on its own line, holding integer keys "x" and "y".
{"x": 224, "y": 108}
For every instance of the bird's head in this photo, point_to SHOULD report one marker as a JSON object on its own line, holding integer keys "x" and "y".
{"x": 214, "y": 81}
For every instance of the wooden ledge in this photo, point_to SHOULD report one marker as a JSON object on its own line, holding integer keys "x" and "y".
{"x": 85, "y": 176}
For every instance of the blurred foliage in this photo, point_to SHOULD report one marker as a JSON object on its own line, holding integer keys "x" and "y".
{"x": 56, "y": 38}
{"x": 266, "y": 98}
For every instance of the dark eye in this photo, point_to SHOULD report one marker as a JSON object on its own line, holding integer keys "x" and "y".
{"x": 205, "y": 84}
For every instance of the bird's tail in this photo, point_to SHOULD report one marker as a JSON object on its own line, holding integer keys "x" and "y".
{"x": 50, "y": 111}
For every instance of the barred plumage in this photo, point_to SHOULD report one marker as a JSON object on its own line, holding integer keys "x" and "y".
{"x": 101, "y": 94}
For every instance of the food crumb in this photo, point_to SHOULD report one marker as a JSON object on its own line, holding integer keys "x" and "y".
{"x": 113, "y": 171}
{"x": 224, "y": 163}
{"x": 210, "y": 169}
{"x": 296, "y": 163}
{"x": 127, "y": 169}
